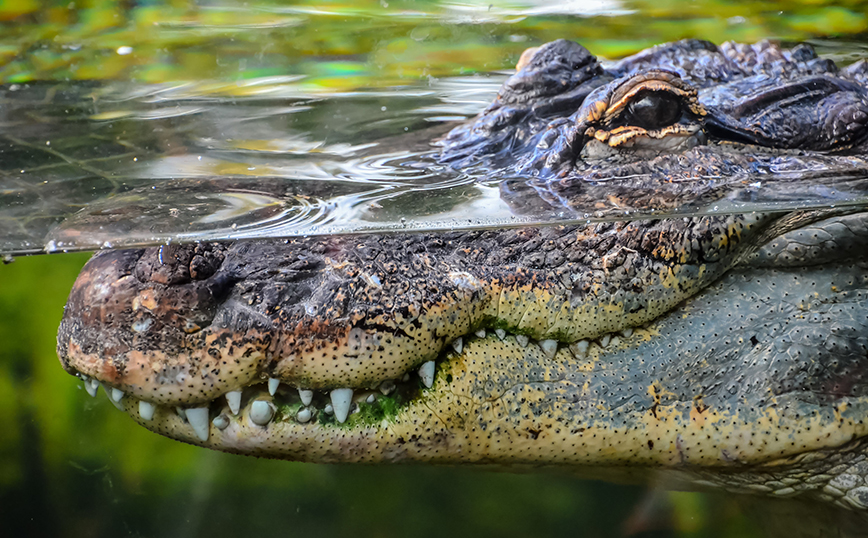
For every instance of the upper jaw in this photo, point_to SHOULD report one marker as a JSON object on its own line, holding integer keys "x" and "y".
{"x": 307, "y": 302}
{"x": 269, "y": 316}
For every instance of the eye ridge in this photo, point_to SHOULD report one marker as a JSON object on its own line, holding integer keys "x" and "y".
{"x": 654, "y": 110}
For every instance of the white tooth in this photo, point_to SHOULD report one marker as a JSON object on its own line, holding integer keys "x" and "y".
{"x": 146, "y": 410}
{"x": 628, "y": 332}
{"x": 501, "y": 333}
{"x": 426, "y": 372}
{"x": 522, "y": 340}
{"x": 328, "y": 409}
{"x": 109, "y": 391}
{"x": 91, "y": 386}
{"x": 406, "y": 377}
{"x": 615, "y": 341}
{"x": 341, "y": 400}
{"x": 198, "y": 419}
{"x": 580, "y": 348}
{"x": 273, "y": 383}
{"x": 480, "y": 333}
{"x": 306, "y": 396}
{"x": 387, "y": 386}
{"x": 117, "y": 394}
{"x": 371, "y": 399}
{"x": 604, "y": 341}
{"x": 549, "y": 347}
{"x": 261, "y": 412}
{"x": 234, "y": 400}
{"x": 221, "y": 421}
{"x": 458, "y": 345}
{"x": 303, "y": 415}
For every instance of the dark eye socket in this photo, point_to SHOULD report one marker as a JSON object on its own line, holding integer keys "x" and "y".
{"x": 654, "y": 110}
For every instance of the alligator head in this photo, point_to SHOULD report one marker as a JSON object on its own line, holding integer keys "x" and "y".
{"x": 723, "y": 349}
{"x": 668, "y": 126}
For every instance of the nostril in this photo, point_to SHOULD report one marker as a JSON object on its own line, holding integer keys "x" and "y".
{"x": 166, "y": 264}
{"x": 846, "y": 118}
{"x": 206, "y": 261}
{"x": 179, "y": 264}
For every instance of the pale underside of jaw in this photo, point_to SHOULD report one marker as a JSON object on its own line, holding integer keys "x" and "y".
{"x": 261, "y": 404}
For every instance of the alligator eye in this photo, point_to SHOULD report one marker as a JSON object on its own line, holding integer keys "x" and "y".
{"x": 654, "y": 110}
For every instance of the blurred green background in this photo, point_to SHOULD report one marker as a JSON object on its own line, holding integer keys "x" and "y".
{"x": 344, "y": 44}
{"x": 74, "y": 466}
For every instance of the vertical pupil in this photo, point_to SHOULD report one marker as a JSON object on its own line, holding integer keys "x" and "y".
{"x": 655, "y": 110}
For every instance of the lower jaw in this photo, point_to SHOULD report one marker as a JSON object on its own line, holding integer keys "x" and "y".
{"x": 255, "y": 419}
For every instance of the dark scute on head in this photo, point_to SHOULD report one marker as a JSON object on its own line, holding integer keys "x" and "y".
{"x": 553, "y": 83}
{"x": 803, "y": 53}
{"x": 818, "y": 113}
{"x": 697, "y": 61}
{"x": 704, "y": 64}
{"x": 555, "y": 68}
{"x": 856, "y": 71}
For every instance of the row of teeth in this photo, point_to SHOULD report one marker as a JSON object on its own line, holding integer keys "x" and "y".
{"x": 261, "y": 411}
{"x": 341, "y": 400}
{"x": 550, "y": 347}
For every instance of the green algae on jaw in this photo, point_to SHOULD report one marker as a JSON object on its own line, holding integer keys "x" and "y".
{"x": 370, "y": 414}
{"x": 384, "y": 407}
{"x": 367, "y": 414}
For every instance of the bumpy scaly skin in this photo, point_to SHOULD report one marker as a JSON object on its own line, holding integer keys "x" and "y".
{"x": 730, "y": 350}
{"x": 356, "y": 311}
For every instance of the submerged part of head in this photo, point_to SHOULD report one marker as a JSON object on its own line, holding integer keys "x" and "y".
{"x": 732, "y": 349}
{"x": 757, "y": 382}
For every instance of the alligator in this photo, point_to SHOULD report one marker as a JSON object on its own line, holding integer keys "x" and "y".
{"x": 719, "y": 350}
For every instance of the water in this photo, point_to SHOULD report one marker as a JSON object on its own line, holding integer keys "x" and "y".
{"x": 127, "y": 166}
{"x": 173, "y": 121}
{"x": 88, "y": 166}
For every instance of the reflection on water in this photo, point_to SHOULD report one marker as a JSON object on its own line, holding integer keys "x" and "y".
{"x": 108, "y": 165}
{"x": 95, "y": 166}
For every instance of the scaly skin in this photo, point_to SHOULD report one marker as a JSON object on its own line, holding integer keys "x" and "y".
{"x": 726, "y": 350}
